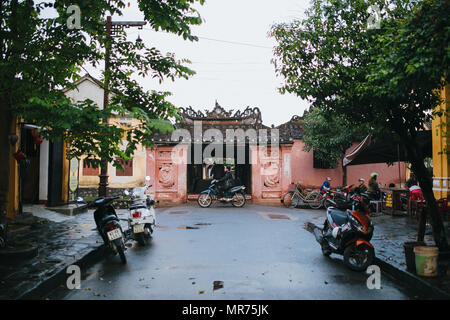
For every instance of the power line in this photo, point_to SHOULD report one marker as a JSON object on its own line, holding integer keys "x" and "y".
{"x": 224, "y": 41}
{"x": 235, "y": 42}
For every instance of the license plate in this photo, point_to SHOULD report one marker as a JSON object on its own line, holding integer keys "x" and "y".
{"x": 114, "y": 234}
{"x": 138, "y": 228}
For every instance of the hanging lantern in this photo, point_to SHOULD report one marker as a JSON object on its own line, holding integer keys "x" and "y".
{"x": 13, "y": 138}
{"x": 19, "y": 156}
{"x": 38, "y": 140}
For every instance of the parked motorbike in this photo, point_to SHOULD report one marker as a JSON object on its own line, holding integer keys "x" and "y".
{"x": 141, "y": 219}
{"x": 343, "y": 204}
{"x": 108, "y": 225}
{"x": 348, "y": 233}
{"x": 235, "y": 195}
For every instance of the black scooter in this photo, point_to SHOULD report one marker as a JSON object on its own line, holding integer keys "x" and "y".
{"x": 108, "y": 225}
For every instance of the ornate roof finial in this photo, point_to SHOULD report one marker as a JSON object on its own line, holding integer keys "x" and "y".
{"x": 217, "y": 104}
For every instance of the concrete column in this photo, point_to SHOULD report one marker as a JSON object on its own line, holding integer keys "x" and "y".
{"x": 43, "y": 171}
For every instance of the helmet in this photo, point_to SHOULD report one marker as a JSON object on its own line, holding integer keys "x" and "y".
{"x": 373, "y": 175}
{"x": 361, "y": 179}
{"x": 328, "y": 178}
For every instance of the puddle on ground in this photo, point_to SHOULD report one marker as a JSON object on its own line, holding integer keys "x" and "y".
{"x": 343, "y": 279}
{"x": 179, "y": 212}
{"x": 279, "y": 216}
{"x": 217, "y": 285}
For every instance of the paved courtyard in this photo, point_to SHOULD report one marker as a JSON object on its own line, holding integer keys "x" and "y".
{"x": 257, "y": 252}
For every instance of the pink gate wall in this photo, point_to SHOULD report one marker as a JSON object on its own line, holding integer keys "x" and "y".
{"x": 166, "y": 165}
{"x": 303, "y": 171}
{"x": 271, "y": 173}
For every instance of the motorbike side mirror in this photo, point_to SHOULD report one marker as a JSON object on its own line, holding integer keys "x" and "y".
{"x": 126, "y": 192}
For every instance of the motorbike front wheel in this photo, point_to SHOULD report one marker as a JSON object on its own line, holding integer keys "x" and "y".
{"x": 358, "y": 258}
{"x": 238, "y": 200}
{"x": 326, "y": 250}
{"x": 204, "y": 200}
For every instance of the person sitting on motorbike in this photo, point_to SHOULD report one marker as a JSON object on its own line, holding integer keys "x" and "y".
{"x": 226, "y": 182}
{"x": 326, "y": 185}
{"x": 374, "y": 189}
{"x": 361, "y": 187}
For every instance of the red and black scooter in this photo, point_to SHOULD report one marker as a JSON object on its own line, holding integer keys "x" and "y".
{"x": 348, "y": 232}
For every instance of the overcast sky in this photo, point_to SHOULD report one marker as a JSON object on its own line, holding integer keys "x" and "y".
{"x": 236, "y": 75}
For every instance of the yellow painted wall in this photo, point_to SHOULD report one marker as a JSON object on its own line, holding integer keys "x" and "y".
{"x": 139, "y": 165}
{"x": 13, "y": 198}
{"x": 441, "y": 166}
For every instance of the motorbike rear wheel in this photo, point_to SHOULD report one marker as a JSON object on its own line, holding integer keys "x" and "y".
{"x": 121, "y": 252}
{"x": 358, "y": 258}
{"x": 204, "y": 200}
{"x": 143, "y": 238}
{"x": 238, "y": 200}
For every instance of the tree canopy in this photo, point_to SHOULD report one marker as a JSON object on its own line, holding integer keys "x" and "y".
{"x": 42, "y": 54}
{"x": 330, "y": 135}
{"x": 387, "y": 78}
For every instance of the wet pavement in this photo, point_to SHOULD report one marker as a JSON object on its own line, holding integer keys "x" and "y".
{"x": 257, "y": 252}
{"x": 59, "y": 240}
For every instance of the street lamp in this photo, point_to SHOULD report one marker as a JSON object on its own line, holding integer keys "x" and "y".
{"x": 112, "y": 27}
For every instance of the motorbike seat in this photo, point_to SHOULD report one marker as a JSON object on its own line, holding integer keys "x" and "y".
{"x": 338, "y": 216}
{"x": 108, "y": 218}
{"x": 99, "y": 201}
{"x": 234, "y": 189}
{"x": 140, "y": 205}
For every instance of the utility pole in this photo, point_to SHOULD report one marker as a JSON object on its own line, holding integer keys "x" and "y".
{"x": 111, "y": 29}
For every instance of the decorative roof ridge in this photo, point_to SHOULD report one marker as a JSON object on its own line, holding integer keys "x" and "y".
{"x": 218, "y": 113}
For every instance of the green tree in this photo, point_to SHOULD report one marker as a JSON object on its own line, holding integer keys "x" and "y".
{"x": 41, "y": 55}
{"x": 330, "y": 136}
{"x": 387, "y": 77}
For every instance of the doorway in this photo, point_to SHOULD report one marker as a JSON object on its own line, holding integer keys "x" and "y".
{"x": 199, "y": 176}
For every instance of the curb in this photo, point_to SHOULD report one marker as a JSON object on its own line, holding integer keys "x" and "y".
{"x": 60, "y": 276}
{"x": 412, "y": 281}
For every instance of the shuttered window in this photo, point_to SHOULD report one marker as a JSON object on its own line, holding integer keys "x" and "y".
{"x": 322, "y": 164}
{"x": 128, "y": 169}
{"x": 89, "y": 170}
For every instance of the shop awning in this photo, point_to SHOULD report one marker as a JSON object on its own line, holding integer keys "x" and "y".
{"x": 386, "y": 151}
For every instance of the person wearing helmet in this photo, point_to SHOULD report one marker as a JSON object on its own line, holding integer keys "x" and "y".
{"x": 226, "y": 182}
{"x": 326, "y": 185}
{"x": 374, "y": 189}
{"x": 361, "y": 187}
